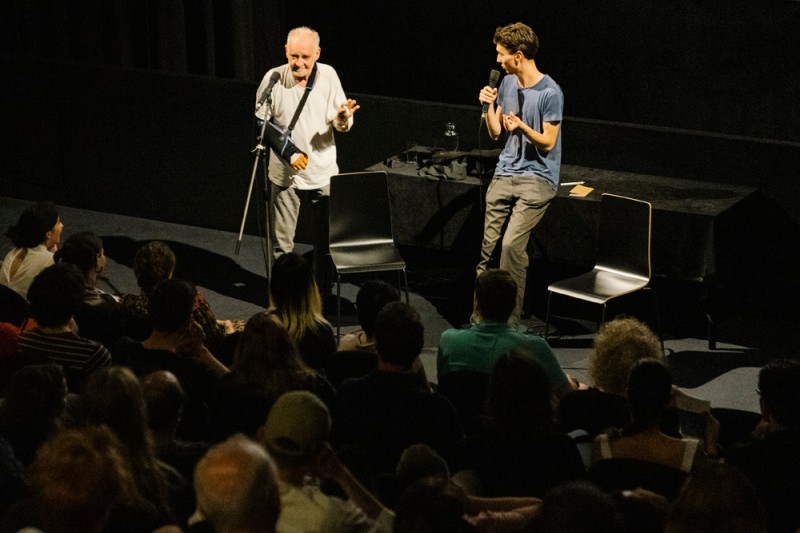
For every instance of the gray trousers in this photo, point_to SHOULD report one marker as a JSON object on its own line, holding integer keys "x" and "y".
{"x": 285, "y": 203}
{"x": 522, "y": 200}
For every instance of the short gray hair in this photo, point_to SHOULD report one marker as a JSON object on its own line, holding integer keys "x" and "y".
{"x": 303, "y": 30}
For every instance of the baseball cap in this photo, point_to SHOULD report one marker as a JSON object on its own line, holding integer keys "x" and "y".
{"x": 298, "y": 424}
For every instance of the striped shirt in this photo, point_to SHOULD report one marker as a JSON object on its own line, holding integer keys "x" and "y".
{"x": 78, "y": 356}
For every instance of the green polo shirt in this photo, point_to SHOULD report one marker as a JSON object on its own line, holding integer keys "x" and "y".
{"x": 479, "y": 346}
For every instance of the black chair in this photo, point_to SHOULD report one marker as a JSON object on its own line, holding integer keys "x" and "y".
{"x": 627, "y": 474}
{"x": 360, "y": 235}
{"x": 14, "y": 309}
{"x": 466, "y": 390}
{"x": 623, "y": 258}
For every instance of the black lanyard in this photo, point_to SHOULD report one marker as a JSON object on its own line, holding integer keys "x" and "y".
{"x": 312, "y": 80}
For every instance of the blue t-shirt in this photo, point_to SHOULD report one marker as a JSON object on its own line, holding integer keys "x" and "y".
{"x": 544, "y": 102}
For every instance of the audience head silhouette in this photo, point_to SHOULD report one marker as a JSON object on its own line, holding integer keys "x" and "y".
{"x": 649, "y": 393}
{"x": 619, "y": 343}
{"x": 84, "y": 250}
{"x": 779, "y": 387}
{"x": 79, "y": 477}
{"x": 33, "y": 226}
{"x": 236, "y": 487}
{"x": 154, "y": 262}
{"x": 372, "y": 296}
{"x": 399, "y": 335}
{"x": 56, "y": 294}
{"x": 171, "y": 304}
{"x": 495, "y": 295}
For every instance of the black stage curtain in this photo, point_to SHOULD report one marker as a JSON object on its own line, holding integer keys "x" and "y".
{"x": 228, "y": 39}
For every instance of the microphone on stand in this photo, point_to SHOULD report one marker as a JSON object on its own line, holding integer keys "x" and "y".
{"x": 494, "y": 75}
{"x": 272, "y": 81}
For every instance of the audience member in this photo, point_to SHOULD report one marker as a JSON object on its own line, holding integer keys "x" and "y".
{"x": 431, "y": 506}
{"x": 771, "y": 461}
{"x": 479, "y": 346}
{"x": 237, "y": 488}
{"x": 718, "y": 499}
{"x": 165, "y": 400}
{"x": 383, "y": 413}
{"x": 420, "y": 465}
{"x": 55, "y": 296}
{"x": 35, "y": 236}
{"x": 518, "y": 453}
{"x": 176, "y": 345}
{"x": 618, "y": 344}
{"x": 643, "y": 511}
{"x": 113, "y": 397}
{"x": 30, "y": 412}
{"x": 296, "y": 434}
{"x": 649, "y": 395}
{"x": 577, "y": 507}
{"x": 372, "y": 296}
{"x": 155, "y": 262}
{"x": 266, "y": 364}
{"x": 82, "y": 483}
{"x": 296, "y": 302}
{"x": 100, "y": 316}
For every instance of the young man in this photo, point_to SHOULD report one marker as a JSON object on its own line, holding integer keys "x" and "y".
{"x": 55, "y": 296}
{"x": 478, "y": 347}
{"x": 327, "y": 109}
{"x": 771, "y": 461}
{"x": 388, "y": 410}
{"x": 296, "y": 436}
{"x": 528, "y": 106}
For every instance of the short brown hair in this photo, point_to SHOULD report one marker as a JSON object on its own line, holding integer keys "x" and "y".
{"x": 496, "y": 294}
{"x": 517, "y": 37}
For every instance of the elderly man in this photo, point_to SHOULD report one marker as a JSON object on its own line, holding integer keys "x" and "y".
{"x": 236, "y": 487}
{"x": 312, "y": 130}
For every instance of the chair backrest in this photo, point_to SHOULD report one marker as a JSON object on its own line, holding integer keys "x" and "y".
{"x": 14, "y": 309}
{"x": 360, "y": 209}
{"x": 623, "y": 240}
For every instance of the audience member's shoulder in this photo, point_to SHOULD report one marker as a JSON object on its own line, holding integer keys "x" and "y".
{"x": 453, "y": 333}
{"x": 533, "y": 341}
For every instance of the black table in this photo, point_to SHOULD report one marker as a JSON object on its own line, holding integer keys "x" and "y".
{"x": 694, "y": 233}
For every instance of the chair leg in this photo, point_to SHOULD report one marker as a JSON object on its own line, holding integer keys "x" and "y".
{"x": 657, "y": 313}
{"x": 547, "y": 316}
{"x": 405, "y": 283}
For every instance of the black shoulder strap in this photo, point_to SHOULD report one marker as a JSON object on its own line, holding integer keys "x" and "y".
{"x": 312, "y": 80}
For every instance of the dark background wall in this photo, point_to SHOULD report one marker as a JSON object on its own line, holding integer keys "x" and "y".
{"x": 144, "y": 108}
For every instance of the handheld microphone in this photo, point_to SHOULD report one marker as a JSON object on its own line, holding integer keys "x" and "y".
{"x": 265, "y": 95}
{"x": 493, "y": 77}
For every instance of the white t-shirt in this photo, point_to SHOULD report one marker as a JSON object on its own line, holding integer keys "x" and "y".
{"x": 36, "y": 260}
{"x": 313, "y": 132}
{"x": 309, "y": 510}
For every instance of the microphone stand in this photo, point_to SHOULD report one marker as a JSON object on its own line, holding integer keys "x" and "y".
{"x": 260, "y": 150}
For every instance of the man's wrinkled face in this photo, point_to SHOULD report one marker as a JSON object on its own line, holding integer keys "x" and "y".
{"x": 301, "y": 52}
